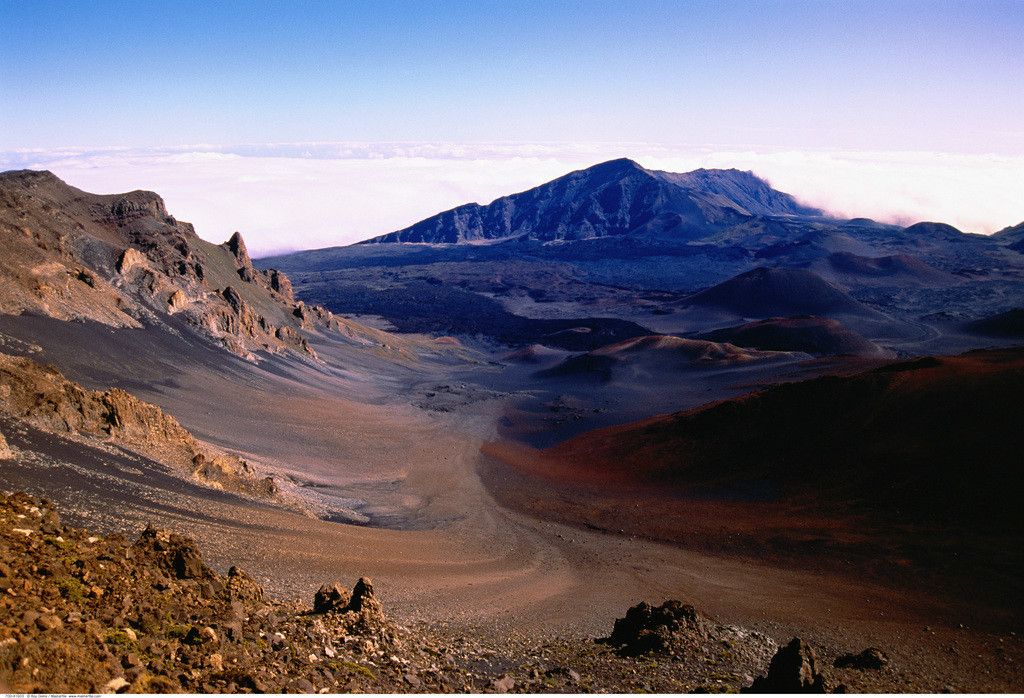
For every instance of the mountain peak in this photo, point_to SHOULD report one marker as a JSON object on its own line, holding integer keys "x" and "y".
{"x": 623, "y": 165}
{"x": 612, "y": 198}
{"x": 29, "y": 175}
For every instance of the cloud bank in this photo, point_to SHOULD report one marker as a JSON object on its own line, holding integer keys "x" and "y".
{"x": 298, "y": 196}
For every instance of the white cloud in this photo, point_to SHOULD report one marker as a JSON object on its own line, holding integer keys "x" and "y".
{"x": 305, "y": 195}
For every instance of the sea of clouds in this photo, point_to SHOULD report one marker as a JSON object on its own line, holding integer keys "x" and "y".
{"x": 289, "y": 196}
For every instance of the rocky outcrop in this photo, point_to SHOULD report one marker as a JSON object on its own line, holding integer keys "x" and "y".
{"x": 42, "y": 397}
{"x": 123, "y": 261}
{"x": 138, "y": 203}
{"x": 330, "y": 598}
{"x": 362, "y": 604}
{"x": 281, "y": 284}
{"x": 236, "y": 246}
{"x": 793, "y": 669}
{"x": 5, "y": 450}
{"x": 247, "y": 319}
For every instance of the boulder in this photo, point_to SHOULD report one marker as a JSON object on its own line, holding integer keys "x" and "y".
{"x": 177, "y": 301}
{"x": 656, "y": 629}
{"x": 130, "y": 259}
{"x": 793, "y": 669}
{"x": 331, "y": 597}
{"x": 5, "y": 450}
{"x": 871, "y": 658}
{"x": 364, "y": 602}
{"x": 176, "y": 554}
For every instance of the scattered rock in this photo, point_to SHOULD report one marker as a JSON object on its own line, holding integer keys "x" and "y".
{"x": 304, "y": 685}
{"x": 174, "y": 553}
{"x": 241, "y": 587}
{"x": 793, "y": 669}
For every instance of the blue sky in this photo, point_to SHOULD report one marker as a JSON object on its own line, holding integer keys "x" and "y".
{"x": 920, "y": 75}
{"x": 308, "y": 124}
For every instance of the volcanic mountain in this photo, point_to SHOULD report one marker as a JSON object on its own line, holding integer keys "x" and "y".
{"x": 765, "y": 292}
{"x": 806, "y": 333}
{"x": 894, "y": 270}
{"x": 655, "y": 354}
{"x": 1009, "y": 324}
{"x": 618, "y": 197}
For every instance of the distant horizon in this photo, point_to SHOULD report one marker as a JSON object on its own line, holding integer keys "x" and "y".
{"x": 288, "y": 197}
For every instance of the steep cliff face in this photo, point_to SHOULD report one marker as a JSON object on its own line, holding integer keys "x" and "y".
{"x": 122, "y": 260}
{"x": 614, "y": 198}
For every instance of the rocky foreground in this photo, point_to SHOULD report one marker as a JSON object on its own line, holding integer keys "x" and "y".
{"x": 88, "y": 613}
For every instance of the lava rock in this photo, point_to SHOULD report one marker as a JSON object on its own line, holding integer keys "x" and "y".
{"x": 331, "y": 597}
{"x": 871, "y": 658}
{"x": 793, "y": 669}
{"x": 652, "y": 629}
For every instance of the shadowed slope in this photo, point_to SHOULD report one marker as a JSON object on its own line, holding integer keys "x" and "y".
{"x": 935, "y": 437}
{"x": 1008, "y": 324}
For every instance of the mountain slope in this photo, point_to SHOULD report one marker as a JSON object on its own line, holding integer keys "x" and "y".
{"x": 613, "y": 198}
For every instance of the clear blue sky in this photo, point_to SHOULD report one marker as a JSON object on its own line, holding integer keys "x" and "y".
{"x": 888, "y": 75}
